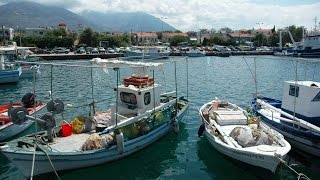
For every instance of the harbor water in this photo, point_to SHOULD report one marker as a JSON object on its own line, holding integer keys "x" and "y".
{"x": 176, "y": 156}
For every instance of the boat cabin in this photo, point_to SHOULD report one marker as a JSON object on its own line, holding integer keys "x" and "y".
{"x": 303, "y": 98}
{"x": 137, "y": 95}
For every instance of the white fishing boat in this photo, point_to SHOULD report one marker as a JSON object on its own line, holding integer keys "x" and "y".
{"x": 234, "y": 133}
{"x": 147, "y": 52}
{"x": 195, "y": 52}
{"x": 140, "y": 117}
{"x": 297, "y": 116}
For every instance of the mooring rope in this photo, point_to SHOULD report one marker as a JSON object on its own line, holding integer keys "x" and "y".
{"x": 300, "y": 175}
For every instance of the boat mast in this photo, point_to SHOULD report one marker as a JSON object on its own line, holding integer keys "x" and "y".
{"x": 117, "y": 91}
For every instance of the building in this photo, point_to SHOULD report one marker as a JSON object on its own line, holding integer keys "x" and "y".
{"x": 266, "y": 32}
{"x": 167, "y": 36}
{"x": 6, "y": 34}
{"x": 144, "y": 37}
{"x": 40, "y": 31}
{"x": 238, "y": 37}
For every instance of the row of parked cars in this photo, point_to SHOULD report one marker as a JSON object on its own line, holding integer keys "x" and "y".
{"x": 94, "y": 50}
{"x": 81, "y": 50}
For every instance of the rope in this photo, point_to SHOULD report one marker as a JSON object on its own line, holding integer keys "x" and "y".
{"x": 299, "y": 175}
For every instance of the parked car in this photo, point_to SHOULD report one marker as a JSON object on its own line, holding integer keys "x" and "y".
{"x": 94, "y": 50}
{"x": 81, "y": 51}
{"x": 110, "y": 50}
{"x": 61, "y": 50}
{"x": 101, "y": 50}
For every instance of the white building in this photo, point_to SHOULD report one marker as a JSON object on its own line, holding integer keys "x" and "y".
{"x": 41, "y": 31}
{"x": 6, "y": 34}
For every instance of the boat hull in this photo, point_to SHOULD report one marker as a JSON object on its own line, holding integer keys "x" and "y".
{"x": 9, "y": 76}
{"x": 81, "y": 159}
{"x": 264, "y": 161}
{"x": 300, "y": 138}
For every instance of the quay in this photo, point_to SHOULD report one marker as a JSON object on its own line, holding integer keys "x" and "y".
{"x": 72, "y": 56}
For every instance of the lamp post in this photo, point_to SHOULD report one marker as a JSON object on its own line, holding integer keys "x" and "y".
{"x": 19, "y": 29}
{"x": 162, "y": 22}
{"x": 162, "y": 18}
{"x": 261, "y": 33}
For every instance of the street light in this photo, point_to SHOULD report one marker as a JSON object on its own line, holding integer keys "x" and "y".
{"x": 20, "y": 28}
{"x": 261, "y": 33}
{"x": 162, "y": 23}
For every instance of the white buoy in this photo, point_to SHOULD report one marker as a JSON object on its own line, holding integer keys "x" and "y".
{"x": 120, "y": 142}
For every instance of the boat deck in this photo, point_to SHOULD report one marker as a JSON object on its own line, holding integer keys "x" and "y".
{"x": 70, "y": 143}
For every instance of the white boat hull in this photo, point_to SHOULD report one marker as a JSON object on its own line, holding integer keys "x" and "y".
{"x": 269, "y": 162}
{"x": 263, "y": 155}
{"x": 301, "y": 143}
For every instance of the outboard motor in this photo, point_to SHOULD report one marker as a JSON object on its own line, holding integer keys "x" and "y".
{"x": 28, "y": 100}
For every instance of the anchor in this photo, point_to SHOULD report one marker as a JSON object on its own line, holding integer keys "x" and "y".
{"x": 19, "y": 115}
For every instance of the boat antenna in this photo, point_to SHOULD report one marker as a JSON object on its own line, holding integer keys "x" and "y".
{"x": 187, "y": 77}
{"x": 117, "y": 94}
{"x": 92, "y": 103}
{"x": 154, "y": 95}
{"x": 175, "y": 78}
{"x": 51, "y": 81}
{"x": 295, "y": 92}
{"x": 254, "y": 75}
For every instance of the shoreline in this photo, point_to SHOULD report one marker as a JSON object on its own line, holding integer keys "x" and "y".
{"x": 72, "y": 56}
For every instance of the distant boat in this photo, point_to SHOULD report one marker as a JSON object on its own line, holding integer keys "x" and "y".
{"x": 195, "y": 52}
{"x": 9, "y": 73}
{"x": 140, "y": 117}
{"x": 147, "y": 52}
{"x": 309, "y": 46}
{"x": 297, "y": 116}
{"x": 232, "y": 132}
{"x": 10, "y": 57}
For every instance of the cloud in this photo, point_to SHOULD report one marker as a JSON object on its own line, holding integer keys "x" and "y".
{"x": 194, "y": 14}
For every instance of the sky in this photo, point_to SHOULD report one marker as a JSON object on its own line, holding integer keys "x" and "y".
{"x": 187, "y": 15}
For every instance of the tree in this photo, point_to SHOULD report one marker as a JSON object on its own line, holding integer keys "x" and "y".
{"x": 175, "y": 40}
{"x": 86, "y": 37}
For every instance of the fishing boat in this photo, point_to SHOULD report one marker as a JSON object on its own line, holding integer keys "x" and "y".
{"x": 8, "y": 72}
{"x": 7, "y": 128}
{"x": 241, "y": 136}
{"x": 141, "y": 116}
{"x": 147, "y": 52}
{"x": 12, "y": 60}
{"x": 297, "y": 116}
{"x": 195, "y": 52}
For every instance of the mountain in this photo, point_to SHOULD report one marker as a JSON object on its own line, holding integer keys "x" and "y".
{"x": 29, "y": 14}
{"x": 127, "y": 22}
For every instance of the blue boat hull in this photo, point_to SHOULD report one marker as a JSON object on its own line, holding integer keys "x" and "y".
{"x": 9, "y": 76}
{"x": 300, "y": 138}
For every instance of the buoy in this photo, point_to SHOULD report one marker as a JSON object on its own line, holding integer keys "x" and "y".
{"x": 201, "y": 130}
{"x": 175, "y": 126}
{"x": 120, "y": 142}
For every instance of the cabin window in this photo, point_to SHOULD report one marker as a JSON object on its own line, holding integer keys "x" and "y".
{"x": 294, "y": 91}
{"x": 317, "y": 98}
{"x": 128, "y": 98}
{"x": 147, "y": 98}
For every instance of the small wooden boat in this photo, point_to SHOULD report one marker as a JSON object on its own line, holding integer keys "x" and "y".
{"x": 234, "y": 133}
{"x": 140, "y": 117}
{"x": 7, "y": 128}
